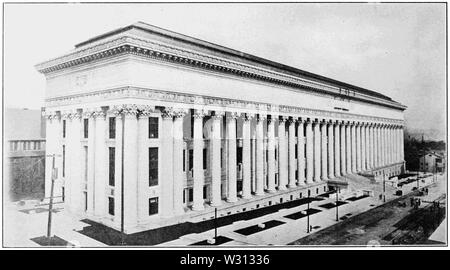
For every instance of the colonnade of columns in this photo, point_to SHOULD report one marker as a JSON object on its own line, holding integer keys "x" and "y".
{"x": 310, "y": 150}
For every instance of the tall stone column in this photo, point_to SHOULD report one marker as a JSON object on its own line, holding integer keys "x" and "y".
{"x": 399, "y": 142}
{"x": 130, "y": 169}
{"x": 402, "y": 144}
{"x": 259, "y": 154}
{"x": 271, "y": 154}
{"x": 317, "y": 151}
{"x": 91, "y": 161}
{"x": 396, "y": 144}
{"x": 101, "y": 163}
{"x": 353, "y": 141}
{"x": 292, "y": 162}
{"x": 388, "y": 145}
{"x": 375, "y": 146}
{"x": 363, "y": 147}
{"x": 216, "y": 170}
{"x": 199, "y": 175}
{"x": 343, "y": 148}
{"x": 324, "y": 147}
{"x": 301, "y": 153}
{"x": 231, "y": 130}
{"x": 392, "y": 133}
{"x": 381, "y": 145}
{"x": 117, "y": 112}
{"x": 283, "y": 153}
{"x": 370, "y": 148}
{"x": 385, "y": 146}
{"x": 246, "y": 157}
{"x": 178, "y": 173}
{"x": 143, "y": 161}
{"x": 309, "y": 152}
{"x": 348, "y": 147}
{"x": 253, "y": 160}
{"x": 74, "y": 161}
{"x": 337, "y": 149}
{"x": 358, "y": 147}
{"x": 330, "y": 150}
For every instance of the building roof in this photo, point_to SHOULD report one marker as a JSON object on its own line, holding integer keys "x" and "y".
{"x": 208, "y": 45}
{"x": 23, "y": 124}
{"x": 242, "y": 61}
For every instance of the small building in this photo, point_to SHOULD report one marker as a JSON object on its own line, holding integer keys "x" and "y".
{"x": 432, "y": 162}
{"x": 25, "y": 154}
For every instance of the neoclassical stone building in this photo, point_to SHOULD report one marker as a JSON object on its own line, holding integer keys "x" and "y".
{"x": 152, "y": 127}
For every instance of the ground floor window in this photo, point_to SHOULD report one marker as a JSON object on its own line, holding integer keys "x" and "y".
{"x": 153, "y": 206}
{"x": 111, "y": 206}
{"x": 191, "y": 194}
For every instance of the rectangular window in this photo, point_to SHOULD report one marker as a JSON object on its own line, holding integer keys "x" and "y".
{"x": 112, "y": 165}
{"x": 296, "y": 155}
{"x": 204, "y": 192}
{"x": 153, "y": 127}
{"x": 111, "y": 206}
{"x": 153, "y": 206}
{"x": 64, "y": 128}
{"x": 86, "y": 127}
{"x": 191, "y": 159}
{"x": 112, "y": 127}
{"x": 64, "y": 161}
{"x": 204, "y": 159}
{"x": 184, "y": 160}
{"x": 153, "y": 166}
{"x": 191, "y": 195}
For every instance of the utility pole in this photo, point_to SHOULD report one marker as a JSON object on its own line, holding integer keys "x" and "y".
{"x": 50, "y": 206}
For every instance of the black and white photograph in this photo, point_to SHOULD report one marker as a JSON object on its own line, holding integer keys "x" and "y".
{"x": 224, "y": 125}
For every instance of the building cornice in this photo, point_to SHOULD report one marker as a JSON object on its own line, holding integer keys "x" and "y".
{"x": 201, "y": 100}
{"x": 127, "y": 44}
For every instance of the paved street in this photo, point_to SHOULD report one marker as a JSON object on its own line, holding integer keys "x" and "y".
{"x": 281, "y": 227}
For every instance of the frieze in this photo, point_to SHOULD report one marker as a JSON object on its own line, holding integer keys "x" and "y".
{"x": 160, "y": 95}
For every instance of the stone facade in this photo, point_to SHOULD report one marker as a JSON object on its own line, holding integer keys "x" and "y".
{"x": 162, "y": 128}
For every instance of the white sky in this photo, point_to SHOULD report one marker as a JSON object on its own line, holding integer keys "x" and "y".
{"x": 395, "y": 49}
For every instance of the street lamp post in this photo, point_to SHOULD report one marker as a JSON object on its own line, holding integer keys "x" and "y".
{"x": 384, "y": 187}
{"x": 215, "y": 224}
{"x": 307, "y": 215}
{"x": 337, "y": 204}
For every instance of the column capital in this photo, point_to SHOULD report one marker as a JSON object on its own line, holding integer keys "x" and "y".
{"x": 282, "y": 118}
{"x": 145, "y": 111}
{"x": 88, "y": 113}
{"x": 248, "y": 116}
{"x": 179, "y": 112}
{"x": 99, "y": 114}
{"x": 261, "y": 117}
{"x": 71, "y": 114}
{"x": 114, "y": 111}
{"x": 66, "y": 114}
{"x": 218, "y": 115}
{"x": 200, "y": 113}
{"x": 130, "y": 110}
{"x": 291, "y": 120}
{"x": 233, "y": 115}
